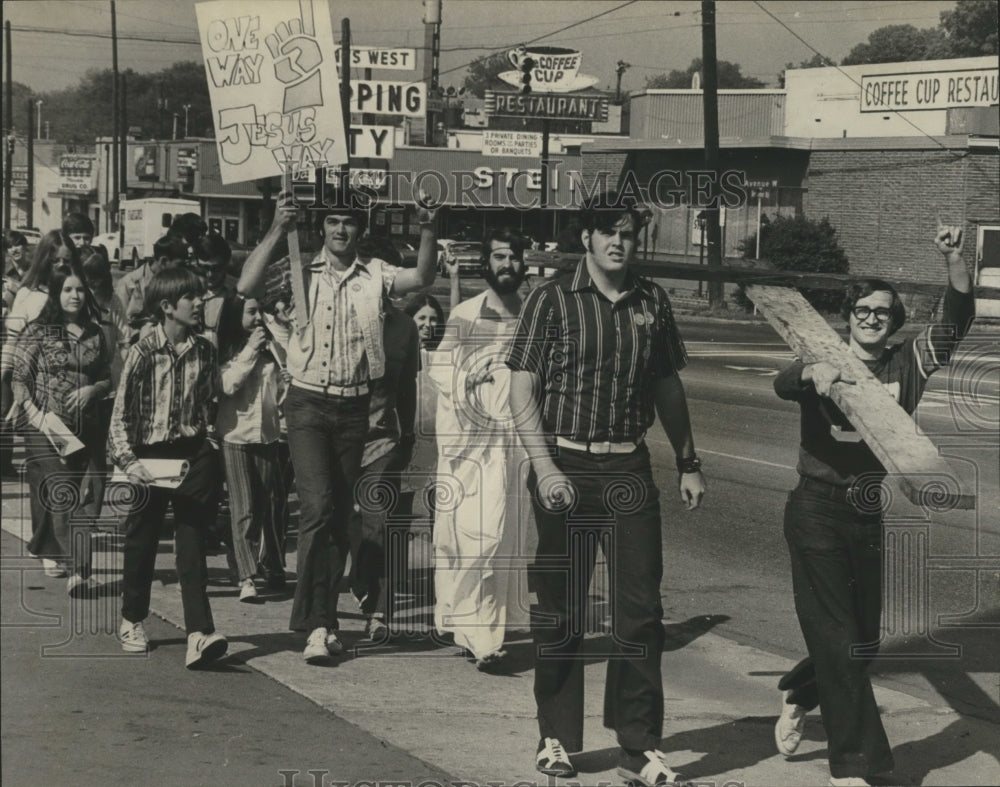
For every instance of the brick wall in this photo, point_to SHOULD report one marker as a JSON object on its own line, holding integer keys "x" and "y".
{"x": 884, "y": 204}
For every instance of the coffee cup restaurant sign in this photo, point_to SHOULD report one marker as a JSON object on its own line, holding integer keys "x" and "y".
{"x": 553, "y": 69}
{"x": 562, "y": 107}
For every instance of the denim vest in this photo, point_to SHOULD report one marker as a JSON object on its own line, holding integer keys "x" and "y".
{"x": 366, "y": 281}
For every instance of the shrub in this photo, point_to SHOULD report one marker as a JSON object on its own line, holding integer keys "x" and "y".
{"x": 799, "y": 244}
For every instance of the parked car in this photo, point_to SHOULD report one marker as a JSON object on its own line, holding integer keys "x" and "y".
{"x": 466, "y": 253}
{"x": 110, "y": 242}
{"x": 30, "y": 234}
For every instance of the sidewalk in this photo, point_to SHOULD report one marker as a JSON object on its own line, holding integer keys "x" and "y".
{"x": 425, "y": 699}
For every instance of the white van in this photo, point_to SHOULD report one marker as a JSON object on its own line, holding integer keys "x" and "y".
{"x": 145, "y": 221}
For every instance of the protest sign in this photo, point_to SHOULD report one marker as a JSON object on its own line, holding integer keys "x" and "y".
{"x": 272, "y": 78}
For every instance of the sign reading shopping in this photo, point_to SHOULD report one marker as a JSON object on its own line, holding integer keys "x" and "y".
{"x": 584, "y": 107}
{"x": 272, "y": 79}
{"x": 930, "y": 90}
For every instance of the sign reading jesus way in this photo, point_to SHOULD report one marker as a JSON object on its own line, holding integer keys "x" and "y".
{"x": 272, "y": 78}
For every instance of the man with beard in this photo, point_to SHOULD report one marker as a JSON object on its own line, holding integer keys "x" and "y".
{"x": 481, "y": 515}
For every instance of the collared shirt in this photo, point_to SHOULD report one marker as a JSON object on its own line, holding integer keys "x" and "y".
{"x": 249, "y": 393}
{"x": 131, "y": 291}
{"x": 598, "y": 361}
{"x": 402, "y": 362}
{"x": 342, "y": 342}
{"x": 165, "y": 394}
{"x": 50, "y": 363}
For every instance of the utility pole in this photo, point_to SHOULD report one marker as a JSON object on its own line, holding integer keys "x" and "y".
{"x": 30, "y": 218}
{"x": 432, "y": 57}
{"x": 345, "y": 104}
{"x": 621, "y": 68}
{"x": 8, "y": 111}
{"x": 121, "y": 185}
{"x": 115, "y": 115}
{"x": 186, "y": 108}
{"x": 713, "y": 235}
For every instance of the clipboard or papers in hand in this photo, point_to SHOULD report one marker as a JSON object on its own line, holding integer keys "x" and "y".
{"x": 60, "y": 436}
{"x": 166, "y": 473}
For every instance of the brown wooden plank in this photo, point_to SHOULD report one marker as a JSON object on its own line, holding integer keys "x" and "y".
{"x": 910, "y": 457}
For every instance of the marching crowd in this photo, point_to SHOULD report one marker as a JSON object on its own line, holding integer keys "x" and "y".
{"x": 541, "y": 398}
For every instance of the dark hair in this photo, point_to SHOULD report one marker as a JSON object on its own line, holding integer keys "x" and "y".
{"x": 190, "y": 227}
{"x": 339, "y": 202}
{"x": 97, "y": 271}
{"x": 12, "y": 238}
{"x": 170, "y": 246}
{"x": 45, "y": 257}
{"x": 518, "y": 243}
{"x": 213, "y": 248}
{"x": 52, "y": 313}
{"x": 862, "y": 289}
{"x": 419, "y": 300}
{"x": 170, "y": 285}
{"x": 604, "y": 210}
{"x": 232, "y": 336}
{"x": 74, "y": 223}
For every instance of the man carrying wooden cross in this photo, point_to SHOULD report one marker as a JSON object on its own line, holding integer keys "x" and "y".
{"x": 335, "y": 355}
{"x": 833, "y": 518}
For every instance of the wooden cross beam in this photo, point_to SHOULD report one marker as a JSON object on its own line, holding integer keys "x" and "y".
{"x": 924, "y": 477}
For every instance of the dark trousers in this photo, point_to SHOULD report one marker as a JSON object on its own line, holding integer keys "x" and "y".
{"x": 617, "y": 506}
{"x": 195, "y": 503}
{"x": 326, "y": 436}
{"x": 836, "y": 555}
{"x": 54, "y": 492}
{"x": 253, "y": 479}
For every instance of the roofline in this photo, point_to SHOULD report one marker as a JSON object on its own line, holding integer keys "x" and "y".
{"x": 949, "y": 141}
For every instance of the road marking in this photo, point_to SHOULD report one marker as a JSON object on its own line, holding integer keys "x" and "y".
{"x": 762, "y": 371}
{"x": 727, "y": 456}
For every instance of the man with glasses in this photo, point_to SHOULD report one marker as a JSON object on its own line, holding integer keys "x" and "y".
{"x": 833, "y": 518}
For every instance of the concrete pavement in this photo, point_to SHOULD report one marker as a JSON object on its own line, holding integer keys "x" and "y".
{"x": 420, "y": 698}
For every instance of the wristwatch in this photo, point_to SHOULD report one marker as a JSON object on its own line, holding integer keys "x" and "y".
{"x": 688, "y": 464}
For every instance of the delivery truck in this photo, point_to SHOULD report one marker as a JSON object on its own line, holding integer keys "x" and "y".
{"x": 145, "y": 221}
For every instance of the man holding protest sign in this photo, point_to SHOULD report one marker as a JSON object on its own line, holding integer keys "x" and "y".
{"x": 335, "y": 353}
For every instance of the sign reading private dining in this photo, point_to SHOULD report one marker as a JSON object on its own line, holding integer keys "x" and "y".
{"x": 511, "y": 143}
{"x": 380, "y": 57}
{"x": 272, "y": 79}
{"x": 376, "y": 97}
{"x": 547, "y": 105}
{"x": 974, "y": 87}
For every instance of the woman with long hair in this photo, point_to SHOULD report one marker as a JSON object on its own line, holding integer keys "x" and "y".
{"x": 61, "y": 372}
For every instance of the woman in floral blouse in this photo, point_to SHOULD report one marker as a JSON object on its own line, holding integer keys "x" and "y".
{"x": 61, "y": 373}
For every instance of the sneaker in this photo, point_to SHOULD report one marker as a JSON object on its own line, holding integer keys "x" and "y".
{"x": 491, "y": 662}
{"x": 204, "y": 648}
{"x": 848, "y": 781}
{"x": 552, "y": 759}
{"x": 321, "y": 645}
{"x": 649, "y": 769}
{"x": 248, "y": 591}
{"x": 376, "y": 630}
{"x": 53, "y": 569}
{"x": 788, "y": 729}
{"x": 133, "y": 637}
{"x": 78, "y": 587}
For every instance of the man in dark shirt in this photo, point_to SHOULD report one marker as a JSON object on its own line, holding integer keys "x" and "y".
{"x": 833, "y": 518}
{"x": 592, "y": 357}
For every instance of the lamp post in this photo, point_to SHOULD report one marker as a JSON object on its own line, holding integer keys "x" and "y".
{"x": 38, "y": 121}
{"x": 186, "y": 108}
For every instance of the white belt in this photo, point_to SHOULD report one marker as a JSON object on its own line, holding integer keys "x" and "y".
{"x": 350, "y": 391}
{"x": 599, "y": 448}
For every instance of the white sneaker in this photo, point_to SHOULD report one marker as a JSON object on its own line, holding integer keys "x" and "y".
{"x": 552, "y": 759}
{"x": 248, "y": 591}
{"x": 788, "y": 729}
{"x": 848, "y": 781}
{"x": 78, "y": 587}
{"x": 204, "y": 648}
{"x": 133, "y": 637}
{"x": 53, "y": 569}
{"x": 316, "y": 651}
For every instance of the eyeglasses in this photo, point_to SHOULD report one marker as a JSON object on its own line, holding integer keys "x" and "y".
{"x": 862, "y": 313}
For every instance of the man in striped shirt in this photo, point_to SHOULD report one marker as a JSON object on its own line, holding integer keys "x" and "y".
{"x": 161, "y": 411}
{"x": 595, "y": 357}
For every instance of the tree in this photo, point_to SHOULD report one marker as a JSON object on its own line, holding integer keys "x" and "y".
{"x": 729, "y": 75}
{"x": 897, "y": 44}
{"x": 816, "y": 61}
{"x": 20, "y": 93}
{"x": 800, "y": 244}
{"x": 971, "y": 28}
{"x": 482, "y": 74}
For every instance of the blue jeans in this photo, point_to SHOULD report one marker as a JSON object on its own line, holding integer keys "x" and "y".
{"x": 326, "y": 438}
{"x": 836, "y": 555}
{"x": 618, "y": 507}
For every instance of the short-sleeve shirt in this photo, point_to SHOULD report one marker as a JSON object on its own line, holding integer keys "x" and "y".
{"x": 598, "y": 361}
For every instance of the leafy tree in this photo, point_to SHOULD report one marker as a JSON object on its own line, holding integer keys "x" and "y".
{"x": 482, "y": 74}
{"x": 971, "y": 28}
{"x": 896, "y": 44}
{"x": 729, "y": 75}
{"x": 800, "y": 244}
{"x": 816, "y": 61}
{"x": 20, "y": 94}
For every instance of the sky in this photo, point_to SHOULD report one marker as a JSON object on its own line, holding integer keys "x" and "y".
{"x": 54, "y": 42}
